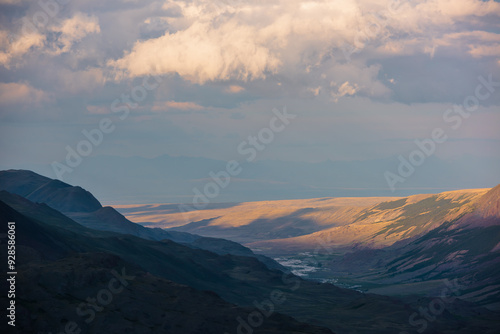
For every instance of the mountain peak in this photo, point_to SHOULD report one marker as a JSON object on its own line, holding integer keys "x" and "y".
{"x": 56, "y": 194}
{"x": 21, "y": 182}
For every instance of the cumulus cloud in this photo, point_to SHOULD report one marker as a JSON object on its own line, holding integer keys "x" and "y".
{"x": 55, "y": 40}
{"x": 14, "y": 47}
{"x": 201, "y": 53}
{"x": 237, "y": 40}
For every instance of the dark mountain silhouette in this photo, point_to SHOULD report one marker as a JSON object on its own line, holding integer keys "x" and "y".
{"x": 53, "y": 281}
{"x": 21, "y": 182}
{"x": 84, "y": 208}
{"x": 59, "y": 195}
{"x": 150, "y": 304}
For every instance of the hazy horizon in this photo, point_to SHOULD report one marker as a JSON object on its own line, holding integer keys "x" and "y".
{"x": 173, "y": 179}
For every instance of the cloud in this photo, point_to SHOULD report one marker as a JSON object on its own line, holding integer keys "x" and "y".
{"x": 21, "y": 95}
{"x": 73, "y": 30}
{"x": 12, "y": 49}
{"x": 345, "y": 89}
{"x": 224, "y": 41}
{"x": 485, "y": 50}
{"x": 57, "y": 39}
{"x": 266, "y": 49}
{"x": 479, "y": 43}
{"x": 460, "y": 8}
{"x": 234, "y": 89}
{"x": 11, "y": 2}
{"x": 202, "y": 53}
{"x": 353, "y": 78}
{"x": 315, "y": 91}
{"x": 162, "y": 106}
{"x": 236, "y": 40}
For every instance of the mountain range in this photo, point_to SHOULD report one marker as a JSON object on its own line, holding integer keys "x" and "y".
{"x": 391, "y": 245}
{"x": 98, "y": 279}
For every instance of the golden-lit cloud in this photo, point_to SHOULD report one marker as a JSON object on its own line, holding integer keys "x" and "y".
{"x": 13, "y": 47}
{"x": 202, "y": 53}
{"x": 236, "y": 40}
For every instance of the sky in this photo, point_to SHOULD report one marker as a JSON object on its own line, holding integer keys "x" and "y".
{"x": 360, "y": 80}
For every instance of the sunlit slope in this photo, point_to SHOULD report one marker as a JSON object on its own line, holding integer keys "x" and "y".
{"x": 252, "y": 221}
{"x": 466, "y": 249}
{"x": 384, "y": 224}
{"x": 305, "y": 225}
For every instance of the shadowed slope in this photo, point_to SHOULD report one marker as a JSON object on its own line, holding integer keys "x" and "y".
{"x": 49, "y": 192}
{"x": 58, "y": 195}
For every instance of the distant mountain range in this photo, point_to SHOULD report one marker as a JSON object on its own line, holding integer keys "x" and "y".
{"x": 169, "y": 179}
{"x": 102, "y": 281}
